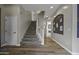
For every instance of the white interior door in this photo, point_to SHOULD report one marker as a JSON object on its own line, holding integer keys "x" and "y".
{"x": 11, "y": 30}
{"x": 48, "y": 29}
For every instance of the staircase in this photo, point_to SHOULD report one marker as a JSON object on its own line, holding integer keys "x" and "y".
{"x": 30, "y": 38}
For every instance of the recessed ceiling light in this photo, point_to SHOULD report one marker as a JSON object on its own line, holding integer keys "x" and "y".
{"x": 51, "y": 7}
{"x": 65, "y": 7}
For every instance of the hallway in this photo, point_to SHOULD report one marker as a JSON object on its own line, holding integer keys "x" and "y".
{"x": 30, "y": 45}
{"x": 31, "y": 29}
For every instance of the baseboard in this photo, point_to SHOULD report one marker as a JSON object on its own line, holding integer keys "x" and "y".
{"x": 63, "y": 46}
{"x": 14, "y": 44}
{"x": 75, "y": 53}
{"x": 18, "y": 45}
{"x": 3, "y": 44}
{"x": 10, "y": 44}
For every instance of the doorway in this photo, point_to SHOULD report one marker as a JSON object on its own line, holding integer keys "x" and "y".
{"x": 0, "y": 27}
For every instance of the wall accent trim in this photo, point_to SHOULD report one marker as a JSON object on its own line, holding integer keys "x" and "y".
{"x": 10, "y": 44}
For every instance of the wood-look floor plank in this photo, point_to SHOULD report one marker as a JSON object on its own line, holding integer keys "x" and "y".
{"x": 50, "y": 47}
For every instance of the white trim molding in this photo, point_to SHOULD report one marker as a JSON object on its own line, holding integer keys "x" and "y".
{"x": 3, "y": 45}
{"x": 63, "y": 46}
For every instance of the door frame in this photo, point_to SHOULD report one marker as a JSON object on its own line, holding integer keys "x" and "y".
{"x": 0, "y": 27}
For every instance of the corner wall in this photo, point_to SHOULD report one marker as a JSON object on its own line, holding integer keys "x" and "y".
{"x": 40, "y": 28}
{"x": 2, "y": 26}
{"x": 75, "y": 40}
{"x": 23, "y": 19}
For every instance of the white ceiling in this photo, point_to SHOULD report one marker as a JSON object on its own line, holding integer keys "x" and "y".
{"x": 39, "y": 7}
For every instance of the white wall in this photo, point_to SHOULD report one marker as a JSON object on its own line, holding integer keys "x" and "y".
{"x": 65, "y": 40}
{"x": 24, "y": 20}
{"x": 34, "y": 16}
